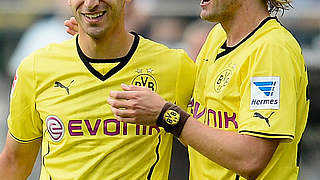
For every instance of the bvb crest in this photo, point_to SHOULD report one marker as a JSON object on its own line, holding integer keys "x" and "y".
{"x": 145, "y": 79}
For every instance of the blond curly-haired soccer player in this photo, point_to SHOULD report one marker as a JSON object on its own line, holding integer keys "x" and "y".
{"x": 250, "y": 101}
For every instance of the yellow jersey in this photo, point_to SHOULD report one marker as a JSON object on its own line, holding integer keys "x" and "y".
{"x": 59, "y": 95}
{"x": 258, "y": 88}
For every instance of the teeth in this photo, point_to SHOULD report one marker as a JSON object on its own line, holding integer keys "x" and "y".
{"x": 92, "y": 16}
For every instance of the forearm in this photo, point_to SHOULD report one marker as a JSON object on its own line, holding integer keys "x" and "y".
{"x": 16, "y": 159}
{"x": 12, "y": 170}
{"x": 246, "y": 155}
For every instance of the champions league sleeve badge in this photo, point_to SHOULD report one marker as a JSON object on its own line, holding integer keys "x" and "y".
{"x": 265, "y": 93}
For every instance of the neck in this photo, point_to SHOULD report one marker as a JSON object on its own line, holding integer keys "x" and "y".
{"x": 244, "y": 21}
{"x": 112, "y": 45}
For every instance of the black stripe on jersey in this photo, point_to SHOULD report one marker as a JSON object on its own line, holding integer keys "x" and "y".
{"x": 267, "y": 134}
{"x": 227, "y": 49}
{"x": 299, "y": 153}
{"x": 44, "y": 165}
{"x": 299, "y": 149}
{"x": 17, "y": 139}
{"x": 237, "y": 177}
{"x": 158, "y": 157}
{"x": 308, "y": 87}
{"x": 122, "y": 60}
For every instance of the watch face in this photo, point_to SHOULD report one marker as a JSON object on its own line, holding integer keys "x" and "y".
{"x": 171, "y": 117}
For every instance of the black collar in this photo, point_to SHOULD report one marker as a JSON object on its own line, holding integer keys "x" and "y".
{"x": 229, "y": 49}
{"x": 122, "y": 60}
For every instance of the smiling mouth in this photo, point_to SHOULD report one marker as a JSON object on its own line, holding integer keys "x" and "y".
{"x": 94, "y": 15}
{"x": 204, "y": 1}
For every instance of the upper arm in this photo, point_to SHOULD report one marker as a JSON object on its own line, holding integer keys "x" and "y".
{"x": 24, "y": 137}
{"x": 185, "y": 80}
{"x": 23, "y": 104}
{"x": 17, "y": 159}
{"x": 267, "y": 108}
{"x": 261, "y": 149}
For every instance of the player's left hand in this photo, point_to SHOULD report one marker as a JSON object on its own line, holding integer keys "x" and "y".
{"x": 135, "y": 104}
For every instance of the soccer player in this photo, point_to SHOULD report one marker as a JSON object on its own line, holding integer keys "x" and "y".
{"x": 59, "y": 102}
{"x": 250, "y": 101}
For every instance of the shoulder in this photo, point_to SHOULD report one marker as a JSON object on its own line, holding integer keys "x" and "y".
{"x": 50, "y": 52}
{"x": 217, "y": 32}
{"x": 216, "y": 36}
{"x": 58, "y": 48}
{"x": 275, "y": 35}
{"x": 148, "y": 47}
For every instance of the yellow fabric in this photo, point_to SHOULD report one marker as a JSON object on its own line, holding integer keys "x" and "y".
{"x": 228, "y": 87}
{"x": 84, "y": 141}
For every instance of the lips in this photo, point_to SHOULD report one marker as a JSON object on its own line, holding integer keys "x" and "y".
{"x": 204, "y": 2}
{"x": 94, "y": 16}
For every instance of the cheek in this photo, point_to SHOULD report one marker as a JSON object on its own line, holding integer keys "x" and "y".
{"x": 75, "y": 4}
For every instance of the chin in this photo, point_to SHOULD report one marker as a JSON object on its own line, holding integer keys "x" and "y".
{"x": 209, "y": 17}
{"x": 95, "y": 34}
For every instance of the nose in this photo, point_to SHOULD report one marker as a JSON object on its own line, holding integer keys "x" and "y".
{"x": 91, "y": 4}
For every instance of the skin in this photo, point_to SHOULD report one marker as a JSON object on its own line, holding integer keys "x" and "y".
{"x": 17, "y": 159}
{"x": 237, "y": 17}
{"x": 104, "y": 37}
{"x": 244, "y": 154}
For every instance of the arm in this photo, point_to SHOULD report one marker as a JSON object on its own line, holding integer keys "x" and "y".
{"x": 244, "y": 154}
{"x": 17, "y": 159}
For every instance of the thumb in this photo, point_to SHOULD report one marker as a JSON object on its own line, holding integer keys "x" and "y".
{"x": 132, "y": 87}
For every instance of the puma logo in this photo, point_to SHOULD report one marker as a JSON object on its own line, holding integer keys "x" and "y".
{"x": 256, "y": 114}
{"x": 59, "y": 84}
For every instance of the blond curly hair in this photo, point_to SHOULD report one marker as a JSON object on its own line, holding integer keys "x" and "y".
{"x": 279, "y": 5}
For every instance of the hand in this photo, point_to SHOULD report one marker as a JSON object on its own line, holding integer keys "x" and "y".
{"x": 135, "y": 104}
{"x": 72, "y": 26}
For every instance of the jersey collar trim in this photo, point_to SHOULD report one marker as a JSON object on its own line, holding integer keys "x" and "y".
{"x": 227, "y": 49}
{"x": 122, "y": 60}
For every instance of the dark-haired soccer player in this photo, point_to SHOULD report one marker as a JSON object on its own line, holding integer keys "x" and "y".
{"x": 250, "y": 98}
{"x": 59, "y": 95}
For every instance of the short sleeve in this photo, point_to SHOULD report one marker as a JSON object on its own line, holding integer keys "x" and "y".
{"x": 185, "y": 80}
{"x": 24, "y": 122}
{"x": 268, "y": 93}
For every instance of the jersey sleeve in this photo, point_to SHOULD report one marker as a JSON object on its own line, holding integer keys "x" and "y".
{"x": 24, "y": 122}
{"x": 268, "y": 93}
{"x": 185, "y": 80}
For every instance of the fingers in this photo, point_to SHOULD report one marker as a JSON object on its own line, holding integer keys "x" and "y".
{"x": 72, "y": 26}
{"x": 118, "y": 103}
{"x": 71, "y": 32}
{"x": 123, "y": 119}
{"x": 133, "y": 88}
{"x": 123, "y": 94}
{"x": 68, "y": 24}
{"x": 73, "y": 21}
{"x": 123, "y": 113}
